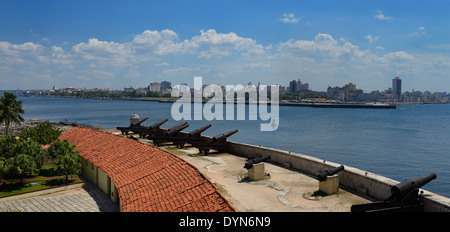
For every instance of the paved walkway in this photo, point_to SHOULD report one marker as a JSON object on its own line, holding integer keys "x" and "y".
{"x": 284, "y": 190}
{"x": 86, "y": 199}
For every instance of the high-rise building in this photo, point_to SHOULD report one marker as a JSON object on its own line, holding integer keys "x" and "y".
{"x": 293, "y": 86}
{"x": 302, "y": 87}
{"x": 397, "y": 87}
{"x": 166, "y": 85}
{"x": 155, "y": 87}
{"x": 296, "y": 87}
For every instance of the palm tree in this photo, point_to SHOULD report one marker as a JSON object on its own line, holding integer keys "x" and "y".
{"x": 10, "y": 110}
{"x": 68, "y": 164}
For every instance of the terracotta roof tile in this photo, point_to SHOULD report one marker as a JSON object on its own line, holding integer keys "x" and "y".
{"x": 147, "y": 178}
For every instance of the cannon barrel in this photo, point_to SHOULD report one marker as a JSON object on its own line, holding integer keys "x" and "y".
{"x": 177, "y": 128}
{"x": 322, "y": 175}
{"x": 156, "y": 125}
{"x": 405, "y": 197}
{"x": 249, "y": 164}
{"x": 401, "y": 190}
{"x": 197, "y": 132}
{"x": 139, "y": 123}
{"x": 223, "y": 136}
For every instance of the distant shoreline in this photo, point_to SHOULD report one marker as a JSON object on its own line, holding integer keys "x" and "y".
{"x": 369, "y": 105}
{"x": 283, "y": 103}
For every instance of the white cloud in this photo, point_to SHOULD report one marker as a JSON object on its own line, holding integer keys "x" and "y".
{"x": 103, "y": 52}
{"x": 220, "y": 75}
{"x": 213, "y": 44}
{"x": 26, "y": 53}
{"x": 59, "y": 56}
{"x": 17, "y": 50}
{"x": 160, "y": 43}
{"x": 257, "y": 65}
{"x": 371, "y": 38}
{"x": 289, "y": 18}
{"x": 102, "y": 74}
{"x": 152, "y": 38}
{"x": 400, "y": 55}
{"x": 324, "y": 46}
{"x": 419, "y": 31}
{"x": 180, "y": 70}
{"x": 209, "y": 44}
{"x": 438, "y": 46}
{"x": 380, "y": 16}
{"x": 162, "y": 64}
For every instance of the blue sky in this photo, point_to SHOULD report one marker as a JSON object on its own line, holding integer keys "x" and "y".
{"x": 116, "y": 44}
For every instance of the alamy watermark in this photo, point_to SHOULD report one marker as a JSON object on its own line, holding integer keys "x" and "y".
{"x": 257, "y": 99}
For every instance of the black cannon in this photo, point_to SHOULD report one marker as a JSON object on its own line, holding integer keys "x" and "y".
{"x": 405, "y": 197}
{"x": 197, "y": 132}
{"x": 175, "y": 129}
{"x": 134, "y": 127}
{"x": 160, "y": 136}
{"x": 154, "y": 131}
{"x": 249, "y": 164}
{"x": 322, "y": 175}
{"x": 194, "y": 137}
{"x": 217, "y": 142}
{"x": 223, "y": 137}
{"x": 137, "y": 124}
{"x": 158, "y": 124}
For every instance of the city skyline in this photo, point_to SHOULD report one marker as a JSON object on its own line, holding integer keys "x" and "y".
{"x": 113, "y": 44}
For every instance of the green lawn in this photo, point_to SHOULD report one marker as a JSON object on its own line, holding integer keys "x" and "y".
{"x": 46, "y": 177}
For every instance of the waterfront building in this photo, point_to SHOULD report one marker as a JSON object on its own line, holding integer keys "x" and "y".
{"x": 128, "y": 90}
{"x": 348, "y": 93}
{"x": 155, "y": 87}
{"x": 297, "y": 86}
{"x": 166, "y": 85}
{"x": 397, "y": 87}
{"x": 369, "y": 97}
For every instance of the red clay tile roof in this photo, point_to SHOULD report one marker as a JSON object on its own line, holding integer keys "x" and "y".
{"x": 148, "y": 179}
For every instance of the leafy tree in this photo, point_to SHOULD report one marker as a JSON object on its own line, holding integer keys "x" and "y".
{"x": 35, "y": 150}
{"x": 6, "y": 171}
{"x": 68, "y": 164}
{"x": 152, "y": 94}
{"x": 10, "y": 110}
{"x": 44, "y": 133}
{"x": 59, "y": 148}
{"x": 67, "y": 159}
{"x": 21, "y": 165}
{"x": 8, "y": 146}
{"x": 12, "y": 146}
